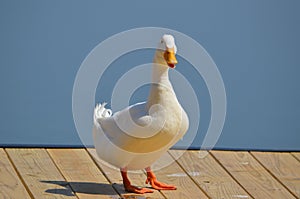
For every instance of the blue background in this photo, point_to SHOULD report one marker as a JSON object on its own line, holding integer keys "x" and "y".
{"x": 255, "y": 45}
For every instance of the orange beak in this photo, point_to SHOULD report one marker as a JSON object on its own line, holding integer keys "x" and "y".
{"x": 170, "y": 58}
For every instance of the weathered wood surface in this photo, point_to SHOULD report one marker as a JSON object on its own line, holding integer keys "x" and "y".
{"x": 251, "y": 175}
{"x": 282, "y": 166}
{"x": 296, "y": 155}
{"x": 174, "y": 174}
{"x": 114, "y": 176}
{"x": 209, "y": 175}
{"x": 9, "y": 180}
{"x": 78, "y": 173}
{"x": 37, "y": 169}
{"x": 84, "y": 177}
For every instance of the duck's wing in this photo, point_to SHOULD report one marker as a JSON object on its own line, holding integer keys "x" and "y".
{"x": 133, "y": 120}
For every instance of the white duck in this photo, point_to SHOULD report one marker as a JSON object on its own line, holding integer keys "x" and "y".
{"x": 138, "y": 135}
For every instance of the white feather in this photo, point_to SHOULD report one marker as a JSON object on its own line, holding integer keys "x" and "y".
{"x": 119, "y": 137}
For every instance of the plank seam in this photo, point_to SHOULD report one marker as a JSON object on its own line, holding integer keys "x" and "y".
{"x": 189, "y": 176}
{"x": 274, "y": 176}
{"x": 101, "y": 170}
{"x": 19, "y": 175}
{"x": 295, "y": 157}
{"x": 92, "y": 159}
{"x": 231, "y": 175}
{"x": 75, "y": 194}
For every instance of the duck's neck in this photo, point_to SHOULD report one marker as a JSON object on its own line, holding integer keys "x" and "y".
{"x": 160, "y": 71}
{"x": 160, "y": 75}
{"x": 161, "y": 91}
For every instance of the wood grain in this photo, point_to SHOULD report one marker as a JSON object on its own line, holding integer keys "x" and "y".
{"x": 174, "y": 174}
{"x": 10, "y": 184}
{"x": 209, "y": 174}
{"x": 72, "y": 173}
{"x": 284, "y": 167}
{"x": 296, "y": 155}
{"x": 251, "y": 175}
{"x": 114, "y": 176}
{"x": 40, "y": 173}
{"x": 83, "y": 175}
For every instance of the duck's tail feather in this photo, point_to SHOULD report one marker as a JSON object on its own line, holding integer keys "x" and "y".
{"x": 101, "y": 112}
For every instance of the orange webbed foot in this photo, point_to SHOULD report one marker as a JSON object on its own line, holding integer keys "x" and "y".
{"x": 151, "y": 179}
{"x": 134, "y": 189}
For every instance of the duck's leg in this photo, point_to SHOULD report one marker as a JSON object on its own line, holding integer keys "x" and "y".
{"x": 128, "y": 187}
{"x": 151, "y": 178}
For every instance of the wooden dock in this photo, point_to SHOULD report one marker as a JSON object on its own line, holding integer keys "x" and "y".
{"x": 75, "y": 173}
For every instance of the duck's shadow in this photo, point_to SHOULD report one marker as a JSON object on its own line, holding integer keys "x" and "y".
{"x": 68, "y": 188}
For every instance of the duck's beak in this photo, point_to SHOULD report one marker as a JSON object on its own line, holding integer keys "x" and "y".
{"x": 170, "y": 58}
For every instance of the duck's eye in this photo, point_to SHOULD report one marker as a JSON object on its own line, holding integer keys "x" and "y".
{"x": 161, "y": 41}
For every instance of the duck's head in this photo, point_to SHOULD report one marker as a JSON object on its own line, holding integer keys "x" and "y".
{"x": 165, "y": 54}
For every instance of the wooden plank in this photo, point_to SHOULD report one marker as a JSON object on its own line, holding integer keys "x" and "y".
{"x": 174, "y": 174}
{"x": 296, "y": 155}
{"x": 251, "y": 175}
{"x": 10, "y": 184}
{"x": 83, "y": 175}
{"x": 37, "y": 170}
{"x": 114, "y": 176}
{"x": 209, "y": 174}
{"x": 284, "y": 167}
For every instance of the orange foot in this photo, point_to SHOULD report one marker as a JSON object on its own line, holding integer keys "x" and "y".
{"x": 134, "y": 189}
{"x": 156, "y": 184}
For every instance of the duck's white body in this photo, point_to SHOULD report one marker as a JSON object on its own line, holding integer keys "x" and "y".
{"x": 138, "y": 135}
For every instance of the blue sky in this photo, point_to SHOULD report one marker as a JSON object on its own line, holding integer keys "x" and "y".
{"x": 255, "y": 45}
